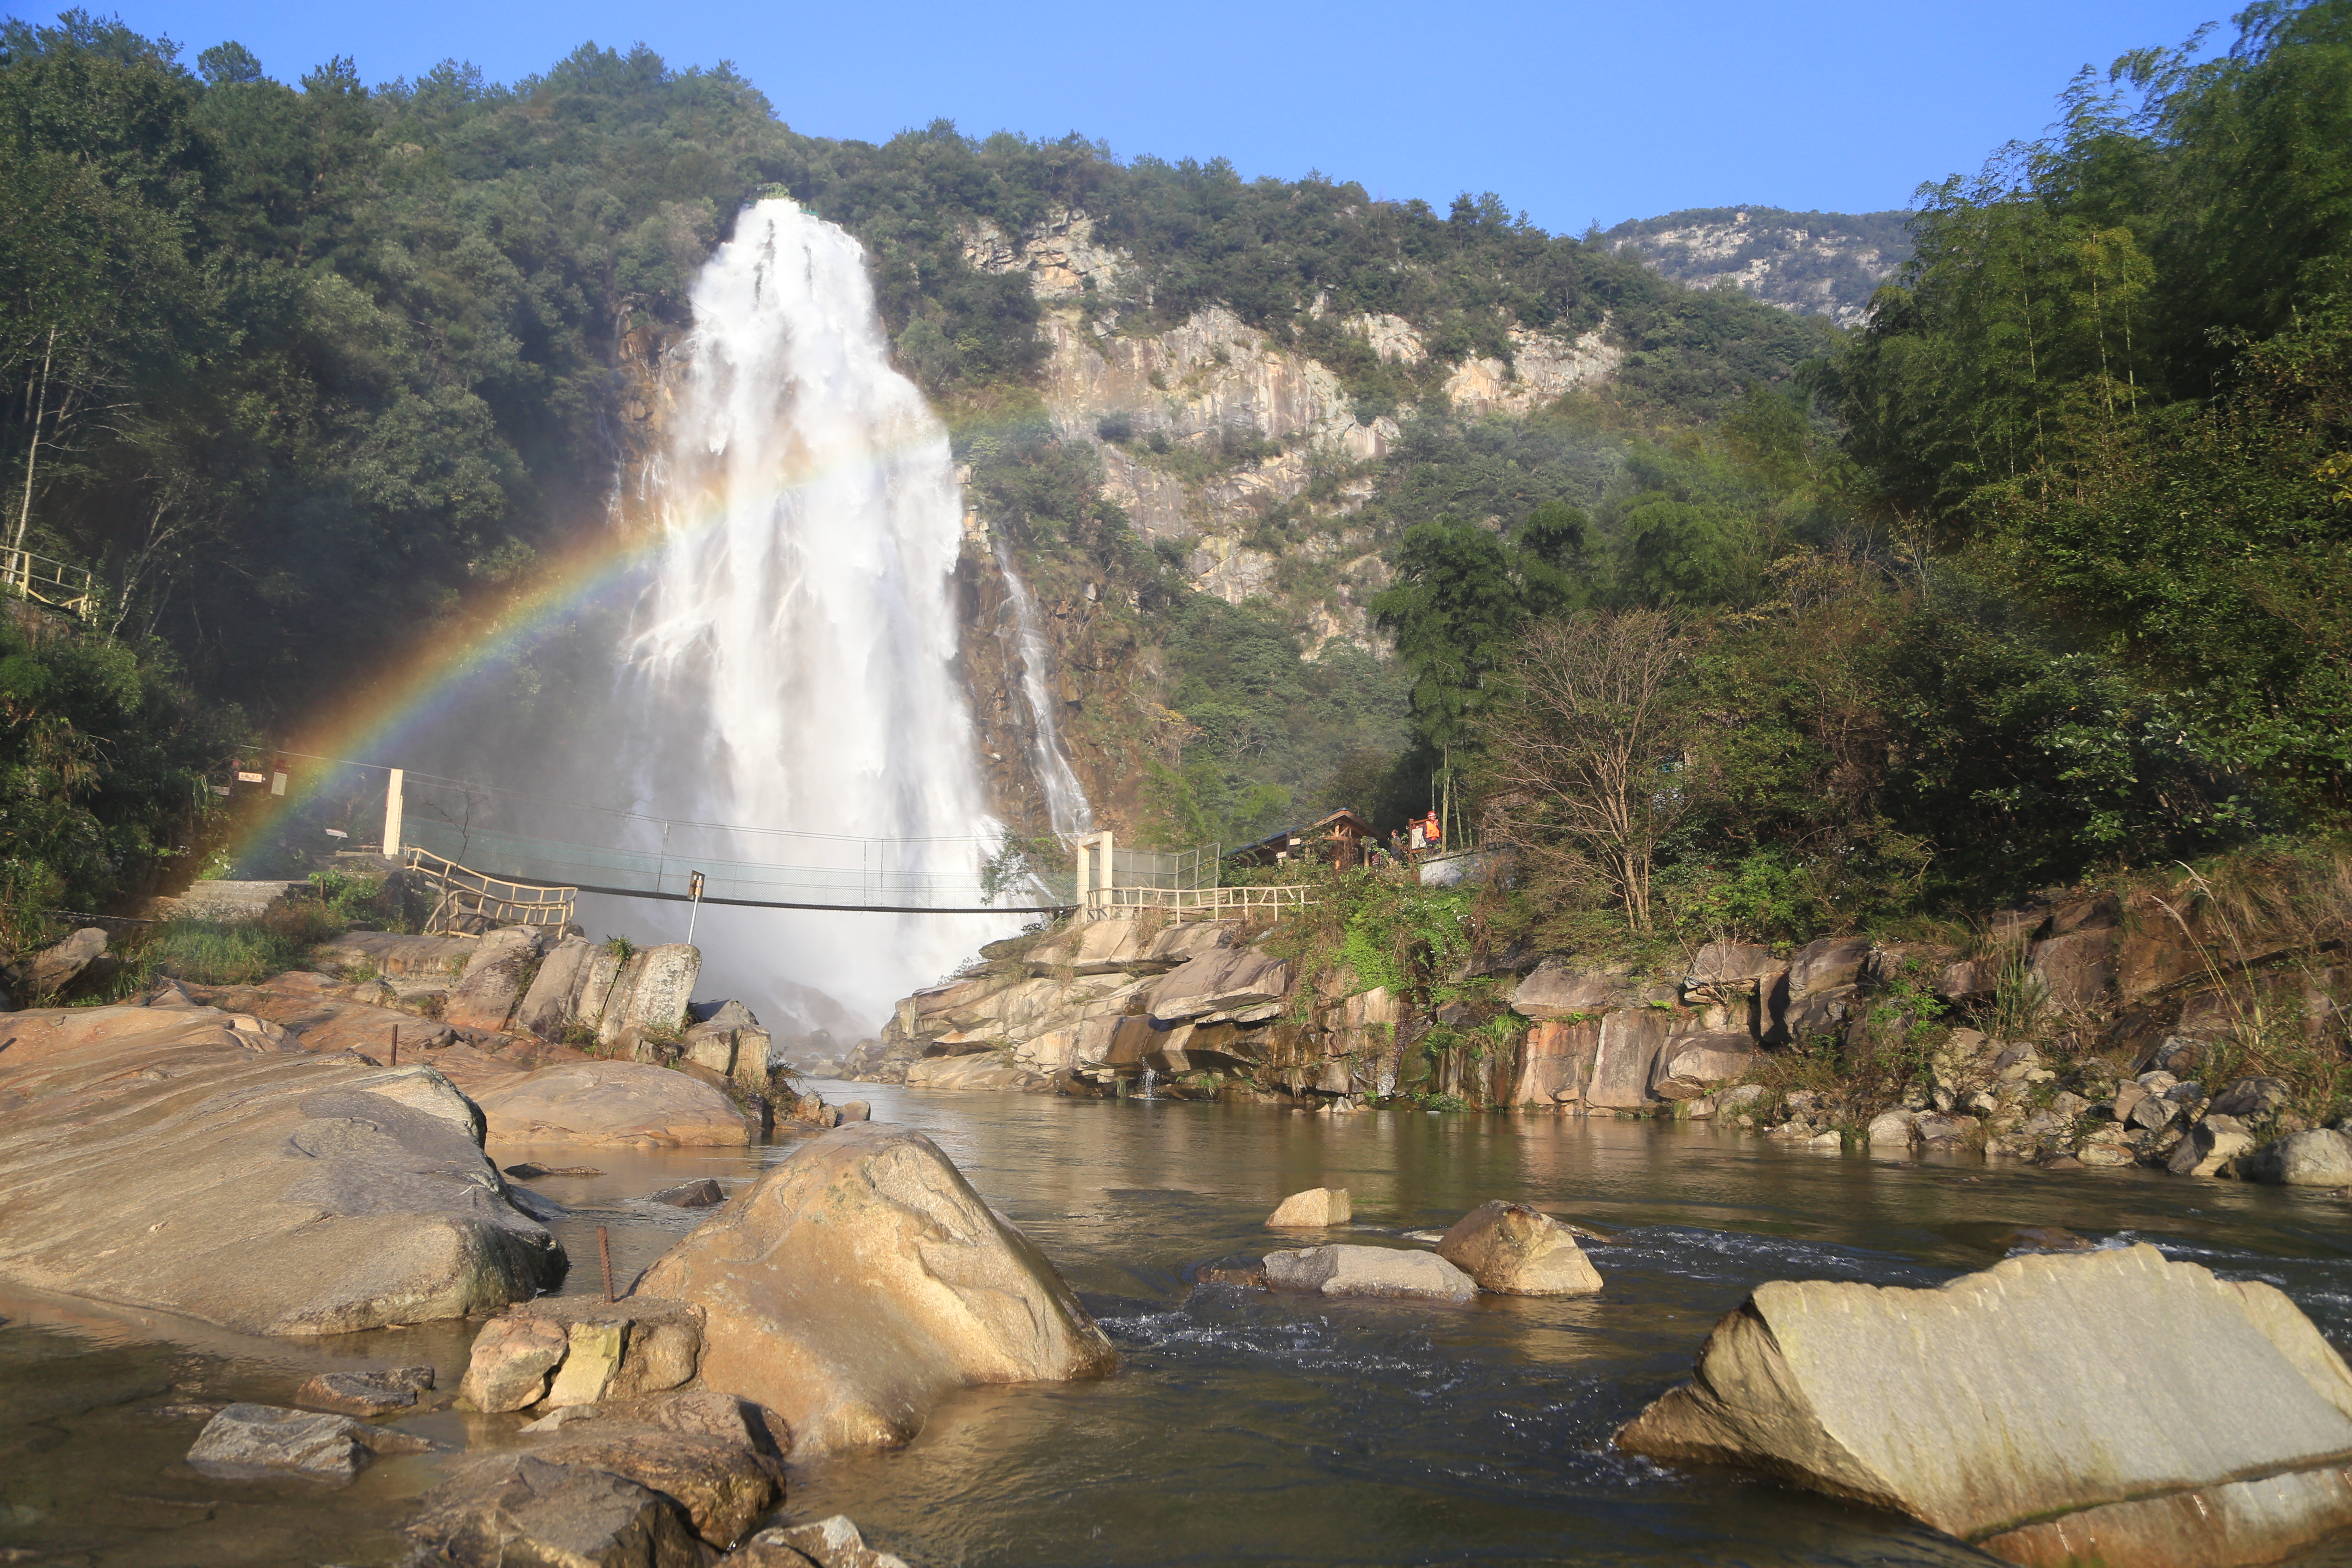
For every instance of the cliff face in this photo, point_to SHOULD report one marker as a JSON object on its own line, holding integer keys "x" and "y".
{"x": 1821, "y": 264}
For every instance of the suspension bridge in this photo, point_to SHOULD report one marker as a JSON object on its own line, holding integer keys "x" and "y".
{"x": 437, "y": 826}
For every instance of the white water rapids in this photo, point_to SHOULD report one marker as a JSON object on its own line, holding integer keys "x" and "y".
{"x": 791, "y": 664}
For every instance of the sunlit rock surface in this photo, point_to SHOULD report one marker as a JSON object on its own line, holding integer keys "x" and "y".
{"x": 2105, "y": 1406}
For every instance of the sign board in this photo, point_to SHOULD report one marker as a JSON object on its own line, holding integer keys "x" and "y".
{"x": 244, "y": 777}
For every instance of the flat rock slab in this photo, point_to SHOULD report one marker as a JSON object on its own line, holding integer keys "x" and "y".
{"x": 861, "y": 1279}
{"x": 1368, "y": 1271}
{"x": 255, "y": 1439}
{"x": 2014, "y": 1408}
{"x": 169, "y": 1158}
{"x": 613, "y": 1102}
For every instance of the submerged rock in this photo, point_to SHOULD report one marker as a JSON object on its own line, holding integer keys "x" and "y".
{"x": 518, "y": 1508}
{"x": 188, "y": 1160}
{"x": 250, "y": 1439}
{"x": 1999, "y": 1409}
{"x": 367, "y": 1393}
{"x": 1368, "y": 1271}
{"x": 1516, "y": 1250}
{"x": 1317, "y": 1208}
{"x": 828, "y": 1544}
{"x": 705, "y": 1194}
{"x": 862, "y": 1278}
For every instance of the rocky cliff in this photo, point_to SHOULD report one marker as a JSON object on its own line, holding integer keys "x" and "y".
{"x": 1822, "y": 264}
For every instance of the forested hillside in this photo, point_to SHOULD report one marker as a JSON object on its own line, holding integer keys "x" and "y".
{"x": 2031, "y": 575}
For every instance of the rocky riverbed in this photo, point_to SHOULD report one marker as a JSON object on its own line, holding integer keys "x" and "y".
{"x": 362, "y": 1323}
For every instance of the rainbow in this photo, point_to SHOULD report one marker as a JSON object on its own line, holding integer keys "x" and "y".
{"x": 384, "y": 721}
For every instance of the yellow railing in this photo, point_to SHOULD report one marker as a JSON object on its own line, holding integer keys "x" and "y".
{"x": 67, "y": 587}
{"x": 466, "y": 891}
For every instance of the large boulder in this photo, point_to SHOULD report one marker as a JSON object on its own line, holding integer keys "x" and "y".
{"x": 2321, "y": 1157}
{"x": 51, "y": 970}
{"x": 861, "y": 1279}
{"x": 515, "y": 1509}
{"x": 613, "y": 1102}
{"x": 1689, "y": 1066}
{"x": 485, "y": 993}
{"x": 2013, "y": 1408}
{"x": 1368, "y": 1271}
{"x": 547, "y": 1009}
{"x": 188, "y": 1160}
{"x": 1514, "y": 1251}
{"x": 650, "y": 995}
{"x": 696, "y": 1449}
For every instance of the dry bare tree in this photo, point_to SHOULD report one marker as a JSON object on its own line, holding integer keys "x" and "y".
{"x": 1585, "y": 756}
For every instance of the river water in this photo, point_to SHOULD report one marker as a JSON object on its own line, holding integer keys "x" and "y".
{"x": 1241, "y": 1427}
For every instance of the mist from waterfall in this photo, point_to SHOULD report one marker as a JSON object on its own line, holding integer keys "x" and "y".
{"x": 1066, "y": 799}
{"x": 792, "y": 662}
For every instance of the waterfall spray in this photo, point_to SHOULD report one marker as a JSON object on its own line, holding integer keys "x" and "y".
{"x": 791, "y": 661}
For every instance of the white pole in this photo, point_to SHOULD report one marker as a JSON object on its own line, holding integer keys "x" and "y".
{"x": 392, "y": 823}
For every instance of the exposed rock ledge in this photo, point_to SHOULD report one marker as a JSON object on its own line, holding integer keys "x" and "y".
{"x": 196, "y": 1162}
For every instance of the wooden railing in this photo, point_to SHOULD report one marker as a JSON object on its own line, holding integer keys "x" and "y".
{"x": 465, "y": 892}
{"x": 67, "y": 587}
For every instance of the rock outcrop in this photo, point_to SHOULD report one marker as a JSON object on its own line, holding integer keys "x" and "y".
{"x": 1997, "y": 1409}
{"x": 861, "y": 1279}
{"x": 143, "y": 1147}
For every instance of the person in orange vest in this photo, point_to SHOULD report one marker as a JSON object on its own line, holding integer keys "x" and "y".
{"x": 1435, "y": 831}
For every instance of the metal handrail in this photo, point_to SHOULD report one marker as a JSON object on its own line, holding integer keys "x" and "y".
{"x": 1107, "y": 902}
{"x": 466, "y": 891}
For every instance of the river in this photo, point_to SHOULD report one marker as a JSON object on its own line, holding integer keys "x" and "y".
{"x": 1241, "y": 1427}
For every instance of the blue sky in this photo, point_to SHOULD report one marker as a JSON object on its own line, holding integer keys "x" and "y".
{"x": 1573, "y": 111}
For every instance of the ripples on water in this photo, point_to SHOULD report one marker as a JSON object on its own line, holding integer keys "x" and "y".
{"x": 1244, "y": 1428}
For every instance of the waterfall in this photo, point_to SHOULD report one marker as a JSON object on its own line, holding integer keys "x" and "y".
{"x": 1065, "y": 798}
{"x": 791, "y": 660}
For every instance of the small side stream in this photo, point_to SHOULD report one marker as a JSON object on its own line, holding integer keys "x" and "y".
{"x": 1241, "y": 1428}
